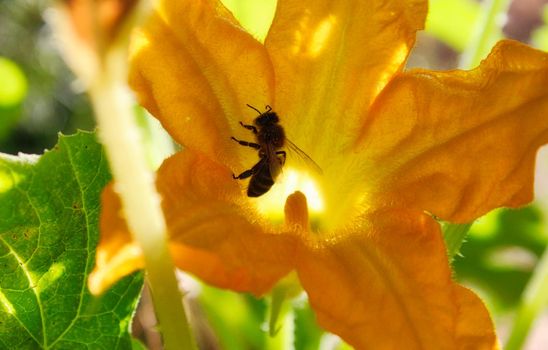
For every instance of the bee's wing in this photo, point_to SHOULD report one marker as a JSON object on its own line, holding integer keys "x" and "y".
{"x": 302, "y": 155}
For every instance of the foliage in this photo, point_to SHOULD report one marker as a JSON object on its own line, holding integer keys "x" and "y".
{"x": 12, "y": 92}
{"x": 455, "y": 33}
{"x": 540, "y": 36}
{"x": 500, "y": 254}
{"x": 49, "y": 207}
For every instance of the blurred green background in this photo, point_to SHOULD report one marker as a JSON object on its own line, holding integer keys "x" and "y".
{"x": 40, "y": 97}
{"x": 49, "y": 99}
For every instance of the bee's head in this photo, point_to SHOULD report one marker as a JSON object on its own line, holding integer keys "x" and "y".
{"x": 267, "y": 118}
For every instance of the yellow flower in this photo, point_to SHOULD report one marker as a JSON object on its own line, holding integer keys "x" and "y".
{"x": 395, "y": 148}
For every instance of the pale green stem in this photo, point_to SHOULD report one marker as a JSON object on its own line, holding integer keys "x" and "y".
{"x": 534, "y": 300}
{"x": 156, "y": 141}
{"x": 134, "y": 183}
{"x": 488, "y": 31}
{"x": 454, "y": 235}
{"x": 281, "y": 321}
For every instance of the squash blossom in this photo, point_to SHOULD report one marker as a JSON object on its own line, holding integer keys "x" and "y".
{"x": 397, "y": 148}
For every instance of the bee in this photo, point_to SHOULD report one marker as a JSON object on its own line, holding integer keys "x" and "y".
{"x": 271, "y": 140}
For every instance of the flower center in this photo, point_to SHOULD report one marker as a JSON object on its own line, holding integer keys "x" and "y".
{"x": 272, "y": 203}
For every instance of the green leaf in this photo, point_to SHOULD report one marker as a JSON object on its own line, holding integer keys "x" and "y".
{"x": 454, "y": 235}
{"x": 235, "y": 318}
{"x": 452, "y": 21}
{"x": 13, "y": 90}
{"x": 539, "y": 37}
{"x": 49, "y": 207}
{"x": 137, "y": 345}
{"x": 307, "y": 332}
{"x": 254, "y": 16}
{"x": 500, "y": 254}
{"x": 14, "y": 84}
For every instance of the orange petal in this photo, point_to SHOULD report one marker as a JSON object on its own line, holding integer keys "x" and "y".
{"x": 195, "y": 69}
{"x": 109, "y": 17}
{"x": 117, "y": 255}
{"x": 212, "y": 235}
{"x": 388, "y": 286}
{"x": 97, "y": 23}
{"x": 333, "y": 57}
{"x": 474, "y": 326}
{"x": 461, "y": 143}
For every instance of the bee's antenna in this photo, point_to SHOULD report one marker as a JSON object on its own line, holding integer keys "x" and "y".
{"x": 256, "y": 110}
{"x": 268, "y": 108}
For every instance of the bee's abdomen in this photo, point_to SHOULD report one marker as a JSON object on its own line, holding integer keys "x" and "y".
{"x": 259, "y": 184}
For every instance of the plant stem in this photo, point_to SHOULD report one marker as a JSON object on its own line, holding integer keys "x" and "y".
{"x": 140, "y": 201}
{"x": 534, "y": 300}
{"x": 487, "y": 32}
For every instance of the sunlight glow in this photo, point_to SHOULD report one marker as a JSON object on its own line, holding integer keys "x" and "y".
{"x": 10, "y": 178}
{"x": 272, "y": 203}
{"x": 321, "y": 36}
{"x": 55, "y": 271}
{"x": 6, "y": 303}
{"x": 7, "y": 182}
{"x": 399, "y": 55}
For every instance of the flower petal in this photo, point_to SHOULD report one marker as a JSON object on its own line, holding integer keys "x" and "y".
{"x": 116, "y": 255}
{"x": 390, "y": 287}
{"x": 459, "y": 144}
{"x": 333, "y": 57}
{"x": 474, "y": 326}
{"x": 211, "y": 234}
{"x": 195, "y": 69}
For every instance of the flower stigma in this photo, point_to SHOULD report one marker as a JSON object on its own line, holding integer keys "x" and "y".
{"x": 291, "y": 180}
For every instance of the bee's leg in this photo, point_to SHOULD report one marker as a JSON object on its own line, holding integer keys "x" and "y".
{"x": 243, "y": 175}
{"x": 249, "y": 127}
{"x": 248, "y": 172}
{"x": 281, "y": 156}
{"x": 248, "y": 144}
